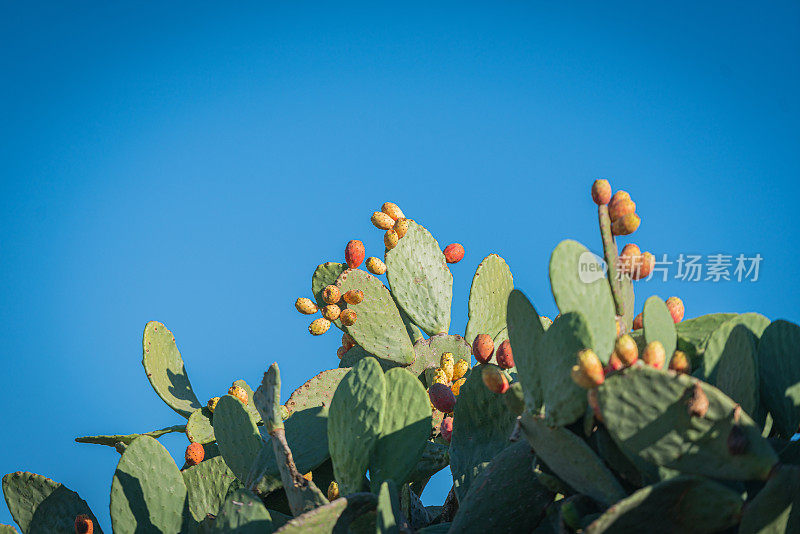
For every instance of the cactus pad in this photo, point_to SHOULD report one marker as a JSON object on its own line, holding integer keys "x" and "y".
{"x": 113, "y": 439}
{"x": 334, "y": 517}
{"x": 524, "y": 331}
{"x": 659, "y": 326}
{"x": 488, "y": 297}
{"x": 779, "y": 372}
{"x": 199, "y": 428}
{"x": 732, "y": 352}
{"x": 207, "y": 484}
{"x": 693, "y": 333}
{"x": 772, "y": 510}
{"x": 243, "y": 513}
{"x": 429, "y": 351}
{"x": 238, "y": 437}
{"x": 318, "y": 391}
{"x": 389, "y": 516}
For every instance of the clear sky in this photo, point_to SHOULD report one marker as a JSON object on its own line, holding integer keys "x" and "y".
{"x": 193, "y": 163}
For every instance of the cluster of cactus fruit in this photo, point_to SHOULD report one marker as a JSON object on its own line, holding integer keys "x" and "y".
{"x": 598, "y": 421}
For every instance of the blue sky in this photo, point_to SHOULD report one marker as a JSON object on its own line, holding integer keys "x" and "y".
{"x": 193, "y": 164}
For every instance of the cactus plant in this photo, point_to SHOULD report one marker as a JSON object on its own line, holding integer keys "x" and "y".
{"x": 548, "y": 440}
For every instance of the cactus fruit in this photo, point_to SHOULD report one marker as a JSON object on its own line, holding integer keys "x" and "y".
{"x": 626, "y": 225}
{"x": 460, "y": 368}
{"x": 654, "y": 355}
{"x": 194, "y": 454}
{"x": 392, "y": 210}
{"x": 354, "y": 296}
{"x": 590, "y": 367}
{"x": 401, "y": 227}
{"x": 333, "y": 491}
{"x": 382, "y": 221}
{"x": 306, "y": 306}
{"x": 494, "y": 379}
{"x": 453, "y": 253}
{"x": 626, "y": 349}
{"x": 581, "y": 378}
{"x": 353, "y": 254}
{"x": 331, "y": 294}
{"x": 440, "y": 377}
{"x": 340, "y": 352}
{"x": 680, "y": 362}
{"x": 614, "y": 363}
{"x": 447, "y": 365}
{"x": 240, "y": 393}
{"x": 212, "y": 404}
{"x": 697, "y": 403}
{"x": 347, "y": 341}
{"x": 309, "y": 476}
{"x": 456, "y": 387}
{"x": 442, "y": 397}
{"x": 601, "y": 192}
{"x": 320, "y": 326}
{"x": 638, "y": 322}
{"x": 348, "y": 317}
{"x": 483, "y": 348}
{"x": 630, "y": 259}
{"x": 83, "y": 525}
{"x": 644, "y": 266}
{"x": 446, "y": 428}
{"x": 504, "y": 356}
{"x": 618, "y": 203}
{"x": 376, "y": 265}
{"x": 390, "y": 239}
{"x": 331, "y": 312}
{"x": 675, "y": 307}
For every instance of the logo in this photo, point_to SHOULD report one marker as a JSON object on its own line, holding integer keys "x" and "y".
{"x": 591, "y": 267}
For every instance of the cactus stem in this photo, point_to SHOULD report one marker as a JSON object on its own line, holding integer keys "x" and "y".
{"x": 611, "y": 254}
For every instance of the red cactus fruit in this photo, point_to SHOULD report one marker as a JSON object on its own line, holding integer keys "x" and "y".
{"x": 697, "y": 403}
{"x": 675, "y": 307}
{"x": 680, "y": 362}
{"x": 453, "y": 253}
{"x": 626, "y": 349}
{"x": 494, "y": 379}
{"x": 83, "y": 525}
{"x": 341, "y": 351}
{"x": 195, "y": 454}
{"x": 442, "y": 397}
{"x": 638, "y": 322}
{"x": 601, "y": 192}
{"x": 354, "y": 253}
{"x": 446, "y": 428}
{"x": 504, "y": 356}
{"x": 654, "y": 355}
{"x": 482, "y": 348}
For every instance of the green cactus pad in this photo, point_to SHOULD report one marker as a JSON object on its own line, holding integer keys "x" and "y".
{"x": 7, "y": 529}
{"x": 250, "y": 406}
{"x": 525, "y": 330}
{"x": 354, "y": 422}
{"x": 635, "y": 471}
{"x": 334, "y": 517}
{"x": 482, "y": 426}
{"x": 420, "y": 280}
{"x": 404, "y": 430}
{"x": 199, "y": 428}
{"x": 592, "y": 299}
{"x": 238, "y": 437}
{"x": 41, "y": 505}
{"x": 435, "y": 457}
{"x": 357, "y": 353}
{"x": 325, "y": 275}
{"x": 645, "y": 410}
{"x": 242, "y": 513}
{"x": 659, "y": 326}
{"x": 572, "y": 460}
{"x": 390, "y": 518}
{"x": 148, "y": 493}
{"x": 681, "y": 504}
{"x": 505, "y": 496}
{"x": 693, "y": 333}
{"x": 488, "y": 297}
{"x": 732, "y": 351}
{"x": 772, "y": 509}
{"x": 438, "y": 528}
{"x": 164, "y": 368}
{"x": 113, "y": 439}
{"x": 779, "y": 373}
{"x": 207, "y": 484}
{"x": 716, "y": 346}
{"x": 379, "y": 329}
{"x": 429, "y": 352}
{"x": 555, "y": 355}
{"x": 318, "y": 391}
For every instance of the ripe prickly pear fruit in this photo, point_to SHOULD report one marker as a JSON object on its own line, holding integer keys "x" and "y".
{"x": 401, "y": 227}
{"x": 646, "y": 264}
{"x": 629, "y": 258}
{"x": 447, "y": 365}
{"x": 618, "y": 210}
{"x": 333, "y": 491}
{"x": 601, "y": 192}
{"x": 456, "y": 387}
{"x": 494, "y": 379}
{"x": 614, "y": 363}
{"x": 348, "y": 317}
{"x": 340, "y": 352}
{"x": 331, "y": 294}
{"x": 453, "y": 253}
{"x": 626, "y": 349}
{"x": 194, "y": 454}
{"x": 589, "y": 365}
{"x": 375, "y": 265}
{"x": 626, "y": 225}
{"x": 638, "y": 322}
{"x": 460, "y": 368}
{"x": 240, "y": 393}
{"x": 354, "y": 253}
{"x": 331, "y": 312}
{"x": 320, "y": 326}
{"x": 347, "y": 341}
{"x": 392, "y": 210}
{"x": 446, "y": 429}
{"x": 382, "y": 221}
{"x": 306, "y": 306}
{"x": 390, "y": 239}
{"x": 83, "y": 525}
{"x": 615, "y": 204}
{"x": 354, "y": 296}
{"x": 630, "y": 251}
{"x": 654, "y": 355}
{"x": 442, "y": 397}
{"x": 309, "y": 476}
{"x": 482, "y": 348}
{"x": 676, "y": 310}
{"x": 439, "y": 377}
{"x": 680, "y": 362}
{"x": 504, "y": 356}
{"x": 212, "y": 404}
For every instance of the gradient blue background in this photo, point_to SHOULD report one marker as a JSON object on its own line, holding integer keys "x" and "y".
{"x": 193, "y": 163}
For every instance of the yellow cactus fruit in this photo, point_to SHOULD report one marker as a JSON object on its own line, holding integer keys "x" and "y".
{"x": 238, "y": 392}
{"x": 382, "y": 221}
{"x": 348, "y": 317}
{"x": 331, "y": 294}
{"x": 333, "y": 491}
{"x": 392, "y": 210}
{"x": 319, "y": 326}
{"x": 309, "y": 476}
{"x": 440, "y": 377}
{"x": 401, "y": 227}
{"x": 626, "y": 225}
{"x": 305, "y": 306}
{"x": 375, "y": 265}
{"x": 447, "y": 365}
{"x": 460, "y": 369}
{"x": 331, "y": 312}
{"x": 390, "y": 239}
{"x": 354, "y": 296}
{"x": 212, "y": 404}
{"x": 456, "y": 387}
